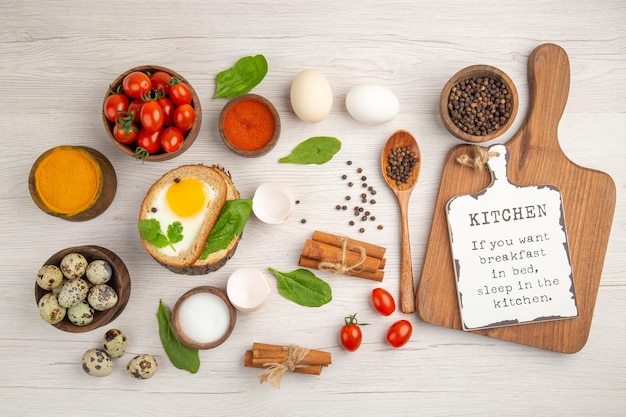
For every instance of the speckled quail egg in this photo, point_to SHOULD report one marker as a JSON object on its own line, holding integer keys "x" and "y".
{"x": 73, "y": 292}
{"x": 50, "y": 310}
{"x": 114, "y": 342}
{"x": 96, "y": 362}
{"x": 102, "y": 297}
{"x": 56, "y": 290}
{"x": 142, "y": 366}
{"x": 80, "y": 314}
{"x": 99, "y": 272}
{"x": 49, "y": 277}
{"x": 73, "y": 265}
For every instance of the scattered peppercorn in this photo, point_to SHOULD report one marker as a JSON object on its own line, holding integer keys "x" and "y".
{"x": 364, "y": 185}
{"x": 297, "y": 201}
{"x": 372, "y": 201}
{"x": 351, "y": 222}
{"x": 359, "y": 170}
{"x": 338, "y": 207}
{"x": 480, "y": 105}
{"x": 350, "y": 184}
{"x": 349, "y": 162}
{"x": 344, "y": 176}
{"x": 303, "y": 221}
{"x": 344, "y": 207}
{"x": 361, "y": 230}
{"x": 347, "y": 197}
{"x": 380, "y": 227}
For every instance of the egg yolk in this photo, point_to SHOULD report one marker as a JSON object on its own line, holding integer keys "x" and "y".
{"x": 186, "y": 197}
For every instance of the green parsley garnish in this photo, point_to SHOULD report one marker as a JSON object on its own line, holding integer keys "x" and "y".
{"x": 150, "y": 230}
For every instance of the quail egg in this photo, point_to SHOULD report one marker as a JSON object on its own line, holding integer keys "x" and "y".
{"x": 99, "y": 272}
{"x": 49, "y": 277}
{"x": 96, "y": 362}
{"x": 50, "y": 310}
{"x": 114, "y": 342}
{"x": 142, "y": 366}
{"x": 80, "y": 314}
{"x": 102, "y": 297}
{"x": 73, "y": 292}
{"x": 73, "y": 265}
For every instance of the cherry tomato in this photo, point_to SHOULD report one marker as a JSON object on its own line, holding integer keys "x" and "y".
{"x": 150, "y": 141}
{"x": 136, "y": 84}
{"x": 161, "y": 80}
{"x": 171, "y": 139}
{"x": 350, "y": 334}
{"x": 399, "y": 333}
{"x": 125, "y": 130}
{"x": 113, "y": 104}
{"x": 179, "y": 92}
{"x": 168, "y": 110}
{"x": 184, "y": 116}
{"x": 135, "y": 107}
{"x": 383, "y": 301}
{"x": 151, "y": 116}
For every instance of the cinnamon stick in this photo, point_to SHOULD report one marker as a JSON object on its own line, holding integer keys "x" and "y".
{"x": 371, "y": 250}
{"x": 309, "y": 369}
{"x": 374, "y": 276}
{"x": 325, "y": 252}
{"x": 314, "y": 357}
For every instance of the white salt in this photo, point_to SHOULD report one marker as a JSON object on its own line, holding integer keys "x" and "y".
{"x": 204, "y": 317}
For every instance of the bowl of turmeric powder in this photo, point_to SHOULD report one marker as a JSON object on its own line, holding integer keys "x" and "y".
{"x": 74, "y": 183}
{"x": 249, "y": 125}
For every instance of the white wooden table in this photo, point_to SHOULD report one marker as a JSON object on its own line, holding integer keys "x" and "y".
{"x": 56, "y": 61}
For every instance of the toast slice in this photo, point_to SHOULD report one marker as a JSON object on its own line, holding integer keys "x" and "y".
{"x": 196, "y": 224}
{"x": 217, "y": 259}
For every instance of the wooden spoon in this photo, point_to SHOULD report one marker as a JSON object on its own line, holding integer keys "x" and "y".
{"x": 400, "y": 139}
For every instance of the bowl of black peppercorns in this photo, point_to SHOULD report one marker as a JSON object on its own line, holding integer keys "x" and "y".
{"x": 478, "y": 103}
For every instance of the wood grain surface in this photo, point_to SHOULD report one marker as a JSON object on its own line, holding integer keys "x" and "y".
{"x": 57, "y": 59}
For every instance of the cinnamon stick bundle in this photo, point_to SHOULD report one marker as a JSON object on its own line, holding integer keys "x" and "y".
{"x": 343, "y": 255}
{"x": 277, "y": 360}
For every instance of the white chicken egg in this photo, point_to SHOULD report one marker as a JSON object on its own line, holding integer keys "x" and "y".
{"x": 311, "y": 96}
{"x": 372, "y": 103}
{"x": 187, "y": 202}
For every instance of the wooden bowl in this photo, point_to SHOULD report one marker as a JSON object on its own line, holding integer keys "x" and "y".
{"x": 214, "y": 310}
{"x": 120, "y": 282}
{"x": 472, "y": 72}
{"x": 189, "y": 136}
{"x": 233, "y": 116}
{"x": 98, "y": 200}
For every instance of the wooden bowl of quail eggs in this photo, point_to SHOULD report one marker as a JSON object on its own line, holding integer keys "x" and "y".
{"x": 82, "y": 288}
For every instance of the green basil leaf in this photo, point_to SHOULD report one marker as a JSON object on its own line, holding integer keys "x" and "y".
{"x": 247, "y": 73}
{"x": 316, "y": 150}
{"x": 303, "y": 287}
{"x": 230, "y": 223}
{"x": 182, "y": 356}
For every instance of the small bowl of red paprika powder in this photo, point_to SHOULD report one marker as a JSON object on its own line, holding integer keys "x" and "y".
{"x": 249, "y": 125}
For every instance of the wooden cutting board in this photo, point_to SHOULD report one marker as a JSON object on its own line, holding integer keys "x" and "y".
{"x": 535, "y": 158}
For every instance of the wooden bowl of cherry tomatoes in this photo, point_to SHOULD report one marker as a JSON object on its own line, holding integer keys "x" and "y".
{"x": 151, "y": 113}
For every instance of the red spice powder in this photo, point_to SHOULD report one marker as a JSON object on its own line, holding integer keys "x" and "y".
{"x": 249, "y": 125}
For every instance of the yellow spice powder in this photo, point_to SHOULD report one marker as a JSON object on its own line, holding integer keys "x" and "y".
{"x": 67, "y": 180}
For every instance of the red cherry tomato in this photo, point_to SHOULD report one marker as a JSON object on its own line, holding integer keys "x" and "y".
{"x": 184, "y": 116}
{"x": 151, "y": 116}
{"x": 125, "y": 129}
{"x": 161, "y": 81}
{"x": 150, "y": 141}
{"x": 399, "y": 333}
{"x": 179, "y": 92}
{"x": 171, "y": 139}
{"x": 136, "y": 84}
{"x": 350, "y": 334}
{"x": 113, "y": 104}
{"x": 135, "y": 107}
{"x": 168, "y": 110}
{"x": 383, "y": 301}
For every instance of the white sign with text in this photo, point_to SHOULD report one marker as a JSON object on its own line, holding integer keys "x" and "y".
{"x": 510, "y": 252}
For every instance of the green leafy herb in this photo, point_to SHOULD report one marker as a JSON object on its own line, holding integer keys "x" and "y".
{"x": 303, "y": 287}
{"x": 182, "y": 356}
{"x": 150, "y": 230}
{"x": 247, "y": 73}
{"x": 316, "y": 150}
{"x": 230, "y": 223}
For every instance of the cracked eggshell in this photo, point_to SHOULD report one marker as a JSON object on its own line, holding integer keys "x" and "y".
{"x": 372, "y": 103}
{"x": 311, "y": 96}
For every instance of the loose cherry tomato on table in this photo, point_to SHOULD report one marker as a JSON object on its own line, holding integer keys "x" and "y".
{"x": 151, "y": 116}
{"x": 125, "y": 129}
{"x": 150, "y": 141}
{"x": 116, "y": 102}
{"x": 184, "y": 116}
{"x": 383, "y": 301}
{"x": 168, "y": 110}
{"x": 399, "y": 333}
{"x": 161, "y": 80}
{"x": 179, "y": 92}
{"x": 171, "y": 139}
{"x": 350, "y": 334}
{"x": 136, "y": 84}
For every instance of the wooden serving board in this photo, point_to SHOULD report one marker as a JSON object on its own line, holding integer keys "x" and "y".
{"x": 535, "y": 158}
